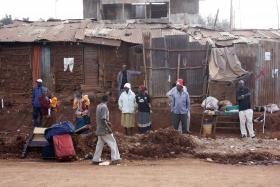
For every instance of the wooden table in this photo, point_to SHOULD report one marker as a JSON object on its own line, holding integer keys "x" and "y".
{"x": 220, "y": 120}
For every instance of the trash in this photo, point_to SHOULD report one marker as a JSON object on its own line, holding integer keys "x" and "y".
{"x": 209, "y": 159}
{"x": 105, "y": 163}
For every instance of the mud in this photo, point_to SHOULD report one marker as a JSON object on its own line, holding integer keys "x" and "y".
{"x": 163, "y": 142}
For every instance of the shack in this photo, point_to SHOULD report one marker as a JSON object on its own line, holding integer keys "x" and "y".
{"x": 68, "y": 55}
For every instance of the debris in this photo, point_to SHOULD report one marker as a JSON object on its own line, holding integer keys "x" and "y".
{"x": 105, "y": 163}
{"x": 209, "y": 159}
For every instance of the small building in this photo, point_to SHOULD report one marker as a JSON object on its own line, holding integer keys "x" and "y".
{"x": 172, "y": 11}
{"x": 69, "y": 55}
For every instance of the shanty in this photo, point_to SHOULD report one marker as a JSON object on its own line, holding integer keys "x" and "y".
{"x": 149, "y": 89}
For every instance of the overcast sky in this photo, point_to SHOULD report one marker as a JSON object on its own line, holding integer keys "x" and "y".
{"x": 248, "y": 13}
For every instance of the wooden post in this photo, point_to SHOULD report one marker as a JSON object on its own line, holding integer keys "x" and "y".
{"x": 146, "y": 55}
{"x": 179, "y": 65}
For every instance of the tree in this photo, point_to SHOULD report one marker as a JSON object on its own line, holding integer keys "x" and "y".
{"x": 209, "y": 22}
{"x": 6, "y": 20}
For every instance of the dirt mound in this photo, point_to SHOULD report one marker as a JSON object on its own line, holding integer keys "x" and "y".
{"x": 162, "y": 143}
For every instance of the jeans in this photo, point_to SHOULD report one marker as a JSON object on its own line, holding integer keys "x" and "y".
{"x": 37, "y": 111}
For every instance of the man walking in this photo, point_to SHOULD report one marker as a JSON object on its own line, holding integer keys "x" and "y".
{"x": 180, "y": 106}
{"x": 105, "y": 134}
{"x": 124, "y": 76}
{"x": 37, "y": 93}
{"x": 245, "y": 112}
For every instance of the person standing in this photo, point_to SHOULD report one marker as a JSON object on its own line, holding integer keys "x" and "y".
{"x": 144, "y": 110}
{"x": 180, "y": 106}
{"x": 105, "y": 134}
{"x": 124, "y": 76}
{"x": 169, "y": 94}
{"x": 81, "y": 107}
{"x": 37, "y": 93}
{"x": 245, "y": 111}
{"x": 127, "y": 105}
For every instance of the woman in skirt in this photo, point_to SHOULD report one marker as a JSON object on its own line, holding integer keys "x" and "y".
{"x": 144, "y": 110}
{"x": 127, "y": 105}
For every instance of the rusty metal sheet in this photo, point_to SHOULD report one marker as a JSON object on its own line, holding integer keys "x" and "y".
{"x": 174, "y": 57}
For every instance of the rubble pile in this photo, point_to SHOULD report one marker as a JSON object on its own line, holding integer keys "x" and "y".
{"x": 162, "y": 143}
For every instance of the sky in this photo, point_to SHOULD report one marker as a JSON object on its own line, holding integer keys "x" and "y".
{"x": 261, "y": 14}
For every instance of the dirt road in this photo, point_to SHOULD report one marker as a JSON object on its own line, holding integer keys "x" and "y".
{"x": 175, "y": 172}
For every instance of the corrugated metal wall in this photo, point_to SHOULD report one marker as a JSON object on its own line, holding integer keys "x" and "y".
{"x": 173, "y": 57}
{"x": 264, "y": 82}
{"x": 46, "y": 72}
{"x": 268, "y": 84}
{"x": 91, "y": 66}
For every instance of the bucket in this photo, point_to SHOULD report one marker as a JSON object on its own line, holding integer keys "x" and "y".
{"x": 207, "y": 130}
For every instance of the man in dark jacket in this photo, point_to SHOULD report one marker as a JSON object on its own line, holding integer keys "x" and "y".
{"x": 245, "y": 112}
{"x": 37, "y": 93}
{"x": 125, "y": 76}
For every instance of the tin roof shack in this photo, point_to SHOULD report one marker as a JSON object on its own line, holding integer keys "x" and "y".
{"x": 173, "y": 11}
{"x": 258, "y": 52}
{"x": 69, "y": 55}
{"x": 60, "y": 54}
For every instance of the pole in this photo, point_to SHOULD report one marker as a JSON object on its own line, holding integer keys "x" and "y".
{"x": 231, "y": 15}
{"x": 277, "y": 12}
{"x": 55, "y": 11}
{"x": 216, "y": 19}
{"x": 178, "y": 66}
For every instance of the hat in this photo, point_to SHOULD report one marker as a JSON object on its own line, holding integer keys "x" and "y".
{"x": 180, "y": 82}
{"x": 127, "y": 85}
{"x": 39, "y": 80}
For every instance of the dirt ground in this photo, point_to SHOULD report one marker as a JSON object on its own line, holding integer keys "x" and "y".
{"x": 173, "y": 172}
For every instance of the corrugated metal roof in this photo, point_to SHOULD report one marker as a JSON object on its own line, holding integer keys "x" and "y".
{"x": 88, "y": 31}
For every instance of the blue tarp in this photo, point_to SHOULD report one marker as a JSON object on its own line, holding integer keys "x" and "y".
{"x": 65, "y": 127}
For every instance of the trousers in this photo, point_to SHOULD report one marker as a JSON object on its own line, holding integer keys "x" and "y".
{"x": 111, "y": 142}
{"x": 183, "y": 118}
{"x": 37, "y": 111}
{"x": 246, "y": 119}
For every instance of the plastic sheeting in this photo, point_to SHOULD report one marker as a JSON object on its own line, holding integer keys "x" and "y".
{"x": 224, "y": 65}
{"x": 59, "y": 129}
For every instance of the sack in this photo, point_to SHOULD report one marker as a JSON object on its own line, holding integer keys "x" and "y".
{"x": 63, "y": 146}
{"x": 65, "y": 127}
{"x": 210, "y": 103}
{"x": 272, "y": 108}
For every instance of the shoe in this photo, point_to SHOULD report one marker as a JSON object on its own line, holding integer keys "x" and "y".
{"x": 253, "y": 137}
{"x": 115, "y": 162}
{"x": 95, "y": 163}
{"x": 243, "y": 136}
